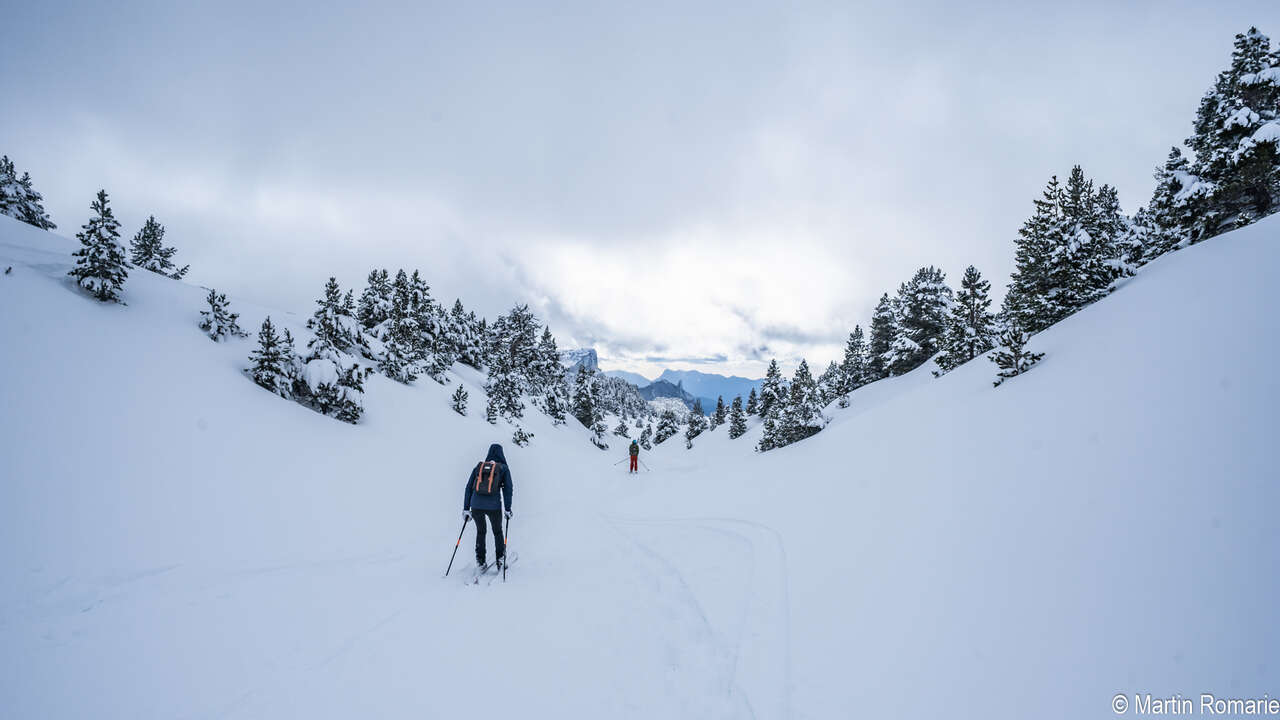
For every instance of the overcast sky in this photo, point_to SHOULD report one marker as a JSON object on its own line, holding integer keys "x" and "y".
{"x": 678, "y": 186}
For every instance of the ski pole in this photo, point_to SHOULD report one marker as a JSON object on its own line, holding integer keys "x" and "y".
{"x": 455, "y": 545}
{"x": 620, "y": 461}
{"x": 506, "y": 559}
{"x": 646, "y": 467}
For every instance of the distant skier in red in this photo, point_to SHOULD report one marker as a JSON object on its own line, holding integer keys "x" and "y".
{"x": 635, "y": 455}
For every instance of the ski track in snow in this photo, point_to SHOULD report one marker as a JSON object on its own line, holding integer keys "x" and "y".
{"x": 760, "y": 666}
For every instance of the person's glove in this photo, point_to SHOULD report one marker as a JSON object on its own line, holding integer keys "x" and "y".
{"x": 508, "y": 514}
{"x": 466, "y": 515}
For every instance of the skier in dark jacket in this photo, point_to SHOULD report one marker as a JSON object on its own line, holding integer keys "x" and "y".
{"x": 481, "y": 501}
{"x": 634, "y": 450}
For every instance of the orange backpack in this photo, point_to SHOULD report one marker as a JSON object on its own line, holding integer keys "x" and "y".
{"x": 485, "y": 474}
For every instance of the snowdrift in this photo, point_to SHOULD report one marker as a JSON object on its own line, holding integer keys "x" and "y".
{"x": 177, "y": 542}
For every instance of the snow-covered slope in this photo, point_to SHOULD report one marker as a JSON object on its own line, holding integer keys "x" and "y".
{"x": 176, "y": 542}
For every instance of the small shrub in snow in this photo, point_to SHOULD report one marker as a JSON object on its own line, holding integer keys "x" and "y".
{"x": 218, "y": 321}
{"x": 1013, "y": 358}
{"x": 459, "y": 403}
{"x": 520, "y": 437}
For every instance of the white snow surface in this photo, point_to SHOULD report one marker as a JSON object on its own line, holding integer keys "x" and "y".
{"x": 176, "y": 542}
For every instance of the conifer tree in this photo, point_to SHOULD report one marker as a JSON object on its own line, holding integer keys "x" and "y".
{"x": 463, "y": 327}
{"x": 19, "y": 200}
{"x": 1167, "y": 219}
{"x": 718, "y": 417}
{"x": 829, "y": 383}
{"x": 923, "y": 305}
{"x": 854, "y": 372}
{"x": 1068, "y": 252}
{"x": 622, "y": 431}
{"x": 375, "y": 301}
{"x": 1013, "y": 358}
{"x": 753, "y": 404}
{"x": 399, "y": 334}
{"x": 585, "y": 398}
{"x": 100, "y": 261}
{"x": 218, "y": 321}
{"x": 667, "y": 426}
{"x": 1236, "y": 138}
{"x": 646, "y": 437}
{"x": 459, "y": 399}
{"x": 696, "y": 424}
{"x": 971, "y": 330}
{"x": 802, "y": 416}
{"x": 883, "y": 330}
{"x": 331, "y": 334}
{"x": 737, "y": 421}
{"x": 33, "y": 212}
{"x": 773, "y": 392}
{"x": 147, "y": 251}
{"x": 272, "y": 362}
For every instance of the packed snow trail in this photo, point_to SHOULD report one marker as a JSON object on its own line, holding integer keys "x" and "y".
{"x": 177, "y": 542}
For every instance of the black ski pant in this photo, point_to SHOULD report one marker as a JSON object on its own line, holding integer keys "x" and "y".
{"x": 495, "y": 518}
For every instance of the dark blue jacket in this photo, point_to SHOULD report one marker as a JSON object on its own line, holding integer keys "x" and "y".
{"x": 490, "y": 502}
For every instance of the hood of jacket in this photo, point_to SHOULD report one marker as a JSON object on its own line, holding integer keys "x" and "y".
{"x": 495, "y": 453}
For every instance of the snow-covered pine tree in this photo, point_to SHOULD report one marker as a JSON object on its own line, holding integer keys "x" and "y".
{"x": 923, "y": 305}
{"x": 33, "y": 212}
{"x": 349, "y": 395}
{"x": 883, "y": 331}
{"x": 622, "y": 431}
{"x": 272, "y": 362}
{"x": 697, "y": 423}
{"x": 10, "y": 190}
{"x": 459, "y": 400}
{"x": 854, "y": 372}
{"x": 719, "y": 415}
{"x": 556, "y": 402}
{"x": 463, "y": 328}
{"x": 399, "y": 333}
{"x": 803, "y": 414}
{"x": 19, "y": 200}
{"x": 1236, "y": 137}
{"x": 1067, "y": 254}
{"x": 218, "y": 321}
{"x": 327, "y": 323}
{"x": 667, "y": 426}
{"x": 333, "y": 380}
{"x": 545, "y": 371}
{"x": 829, "y": 383}
{"x": 753, "y": 404}
{"x": 646, "y": 437}
{"x": 1166, "y": 221}
{"x": 586, "y": 406}
{"x": 1013, "y": 358}
{"x": 773, "y": 391}
{"x": 100, "y": 262}
{"x": 770, "y": 433}
{"x": 147, "y": 251}
{"x": 972, "y": 328}
{"x": 375, "y": 300}
{"x": 737, "y": 421}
